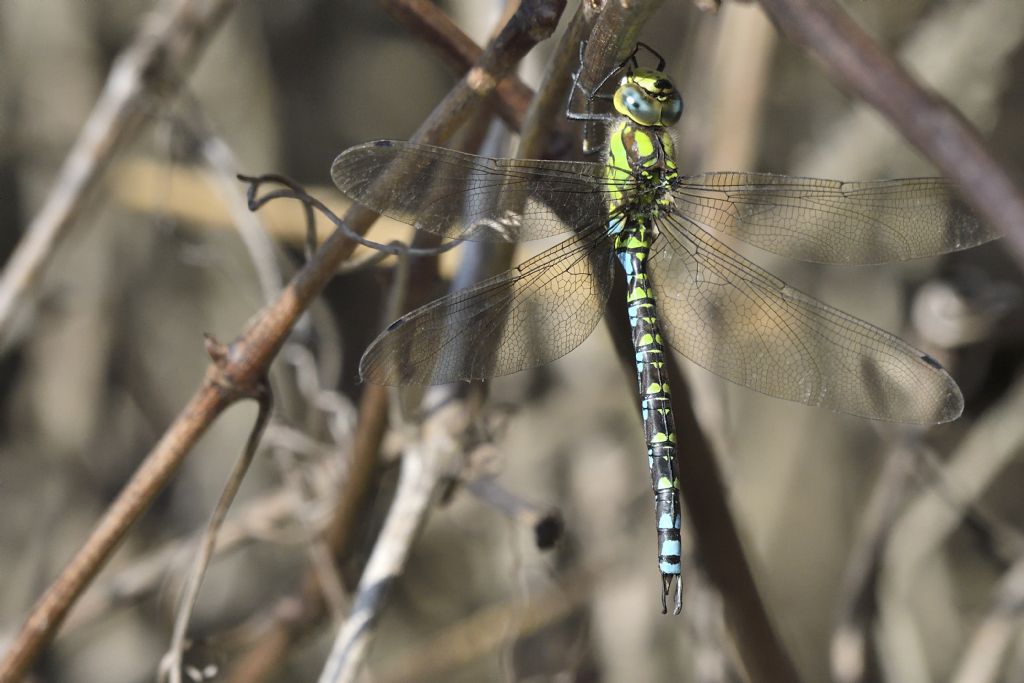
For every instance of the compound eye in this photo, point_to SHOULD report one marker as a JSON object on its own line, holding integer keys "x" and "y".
{"x": 671, "y": 110}
{"x": 637, "y": 105}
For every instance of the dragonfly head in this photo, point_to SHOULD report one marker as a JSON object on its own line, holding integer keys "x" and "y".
{"x": 648, "y": 98}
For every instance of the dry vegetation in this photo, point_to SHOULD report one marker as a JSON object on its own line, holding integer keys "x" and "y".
{"x": 822, "y": 547}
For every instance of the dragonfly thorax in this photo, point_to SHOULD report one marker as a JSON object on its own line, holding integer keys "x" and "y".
{"x": 642, "y": 172}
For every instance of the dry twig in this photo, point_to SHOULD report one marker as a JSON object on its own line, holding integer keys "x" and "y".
{"x": 425, "y": 466}
{"x": 171, "y": 664}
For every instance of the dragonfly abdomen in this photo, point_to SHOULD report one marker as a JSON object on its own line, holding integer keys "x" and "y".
{"x": 632, "y": 247}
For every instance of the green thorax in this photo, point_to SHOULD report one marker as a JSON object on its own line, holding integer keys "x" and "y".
{"x": 641, "y": 168}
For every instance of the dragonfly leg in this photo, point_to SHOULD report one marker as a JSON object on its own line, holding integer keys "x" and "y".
{"x": 661, "y": 60}
{"x": 591, "y": 95}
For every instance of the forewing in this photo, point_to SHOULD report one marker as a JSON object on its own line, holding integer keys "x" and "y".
{"x": 738, "y": 321}
{"x": 519, "y": 319}
{"x": 828, "y": 221}
{"x": 459, "y": 195}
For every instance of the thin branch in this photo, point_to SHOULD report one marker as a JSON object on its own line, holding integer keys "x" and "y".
{"x": 424, "y": 466}
{"x": 165, "y": 49}
{"x": 170, "y": 666}
{"x": 928, "y": 121}
{"x": 294, "y": 616}
{"x": 312, "y": 205}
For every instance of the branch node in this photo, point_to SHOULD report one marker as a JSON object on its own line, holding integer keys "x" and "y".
{"x": 217, "y": 351}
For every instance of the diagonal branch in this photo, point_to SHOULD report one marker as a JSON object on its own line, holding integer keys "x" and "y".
{"x": 925, "y": 119}
{"x": 171, "y": 664}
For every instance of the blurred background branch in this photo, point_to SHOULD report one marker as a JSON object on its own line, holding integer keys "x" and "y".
{"x": 155, "y": 65}
{"x": 925, "y": 119}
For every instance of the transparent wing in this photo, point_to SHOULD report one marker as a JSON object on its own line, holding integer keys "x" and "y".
{"x": 459, "y": 195}
{"x": 738, "y": 321}
{"x": 519, "y": 319}
{"x": 828, "y": 221}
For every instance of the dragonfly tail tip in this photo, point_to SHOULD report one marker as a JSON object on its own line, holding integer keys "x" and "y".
{"x": 668, "y": 582}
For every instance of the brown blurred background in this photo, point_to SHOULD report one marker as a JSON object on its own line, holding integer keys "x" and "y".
{"x": 931, "y": 523}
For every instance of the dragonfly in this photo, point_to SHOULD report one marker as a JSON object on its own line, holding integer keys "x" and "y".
{"x": 686, "y": 288}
